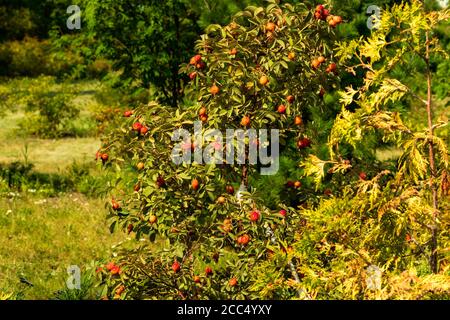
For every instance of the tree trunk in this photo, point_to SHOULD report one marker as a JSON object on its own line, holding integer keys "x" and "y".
{"x": 244, "y": 178}
{"x": 175, "y": 63}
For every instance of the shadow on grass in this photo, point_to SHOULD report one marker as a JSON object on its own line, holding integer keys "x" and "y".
{"x": 21, "y": 176}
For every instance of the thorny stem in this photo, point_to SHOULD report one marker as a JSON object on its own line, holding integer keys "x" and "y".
{"x": 300, "y": 291}
{"x": 434, "y": 231}
{"x": 271, "y": 235}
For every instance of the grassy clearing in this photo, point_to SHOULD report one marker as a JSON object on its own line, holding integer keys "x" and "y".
{"x": 40, "y": 238}
{"x": 388, "y": 154}
{"x": 48, "y": 155}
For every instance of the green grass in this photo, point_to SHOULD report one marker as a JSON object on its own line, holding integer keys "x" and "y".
{"x": 41, "y": 237}
{"x": 388, "y": 154}
{"x": 48, "y": 155}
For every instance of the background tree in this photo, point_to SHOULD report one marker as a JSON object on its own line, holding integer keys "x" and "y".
{"x": 148, "y": 40}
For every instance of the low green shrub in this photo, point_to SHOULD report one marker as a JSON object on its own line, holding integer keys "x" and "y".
{"x": 49, "y": 106}
{"x": 20, "y": 176}
{"x": 33, "y": 57}
{"x": 28, "y": 57}
{"x": 86, "y": 291}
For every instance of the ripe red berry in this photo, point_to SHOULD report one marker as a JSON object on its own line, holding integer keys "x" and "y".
{"x": 290, "y": 99}
{"x": 281, "y": 109}
{"x": 202, "y": 111}
{"x": 115, "y": 270}
{"x": 270, "y": 27}
{"x": 208, "y": 271}
{"x": 337, "y": 19}
{"x": 290, "y": 184}
{"x": 110, "y": 266}
{"x": 192, "y": 75}
{"x": 363, "y": 176}
{"x": 321, "y": 13}
{"x": 303, "y": 143}
{"x": 245, "y": 122}
{"x": 144, "y": 130}
{"x": 195, "y": 184}
{"x": 176, "y": 266}
{"x": 283, "y": 212}
{"x": 201, "y": 65}
{"x": 244, "y": 239}
{"x": 160, "y": 182}
{"x": 230, "y": 189}
{"x": 254, "y": 216}
{"x": 332, "y": 23}
{"x": 195, "y": 59}
{"x": 331, "y": 68}
{"x": 315, "y": 64}
{"x": 204, "y": 118}
{"x": 214, "y": 90}
{"x": 198, "y": 58}
{"x": 127, "y": 113}
{"x": 233, "y": 282}
{"x": 137, "y": 126}
{"x": 115, "y": 205}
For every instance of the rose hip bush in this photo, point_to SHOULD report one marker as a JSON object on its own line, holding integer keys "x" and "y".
{"x": 267, "y": 69}
{"x": 364, "y": 228}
